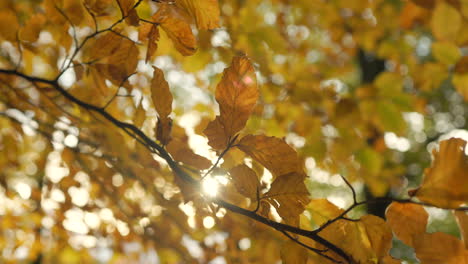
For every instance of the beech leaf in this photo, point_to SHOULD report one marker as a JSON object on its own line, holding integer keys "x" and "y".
{"x": 175, "y": 23}
{"x": 162, "y": 100}
{"x": 236, "y": 95}
{"x": 273, "y": 153}
{"x": 205, "y": 12}
{"x": 407, "y": 220}
{"x": 245, "y": 180}
{"x": 445, "y": 183}
{"x": 366, "y": 241}
{"x": 289, "y": 195}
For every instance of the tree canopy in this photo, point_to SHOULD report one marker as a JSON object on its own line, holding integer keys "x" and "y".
{"x": 206, "y": 131}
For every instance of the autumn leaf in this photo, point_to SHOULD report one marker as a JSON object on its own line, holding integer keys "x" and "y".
{"x": 289, "y": 195}
{"x": 130, "y": 14}
{"x": 366, "y": 241}
{"x": 445, "y": 183}
{"x": 236, "y": 95}
{"x": 32, "y": 28}
{"x": 322, "y": 210}
{"x": 439, "y": 248}
{"x": 162, "y": 100}
{"x": 140, "y": 116}
{"x": 273, "y": 153}
{"x": 407, "y": 221}
{"x": 150, "y": 32}
{"x": 181, "y": 151}
{"x": 175, "y": 23}
{"x": 293, "y": 253}
{"x": 8, "y": 25}
{"x": 205, "y": 12}
{"x": 245, "y": 180}
{"x": 446, "y": 21}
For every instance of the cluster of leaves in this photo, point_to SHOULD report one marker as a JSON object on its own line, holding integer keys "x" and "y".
{"x": 95, "y": 150}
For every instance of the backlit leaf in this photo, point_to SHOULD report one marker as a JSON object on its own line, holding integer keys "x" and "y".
{"x": 445, "y": 183}
{"x": 366, "y": 241}
{"x": 273, "y": 153}
{"x": 205, "y": 12}
{"x": 236, "y": 95}
{"x": 162, "y": 100}
{"x": 322, "y": 210}
{"x": 176, "y": 24}
{"x": 407, "y": 221}
{"x": 182, "y": 152}
{"x": 289, "y": 195}
{"x": 245, "y": 180}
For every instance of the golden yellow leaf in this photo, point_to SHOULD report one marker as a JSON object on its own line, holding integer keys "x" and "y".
{"x": 236, "y": 95}
{"x": 162, "y": 100}
{"x": 322, "y": 210}
{"x": 273, "y": 153}
{"x": 446, "y": 21}
{"x": 460, "y": 81}
{"x": 160, "y": 93}
{"x": 293, "y": 253}
{"x": 245, "y": 180}
{"x": 462, "y": 219}
{"x": 32, "y": 28}
{"x": 446, "y": 52}
{"x": 366, "y": 241}
{"x": 8, "y": 25}
{"x": 407, "y": 220}
{"x": 289, "y": 195}
{"x": 445, "y": 183}
{"x": 205, "y": 12}
{"x": 175, "y": 23}
{"x": 140, "y": 116}
{"x": 437, "y": 248}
